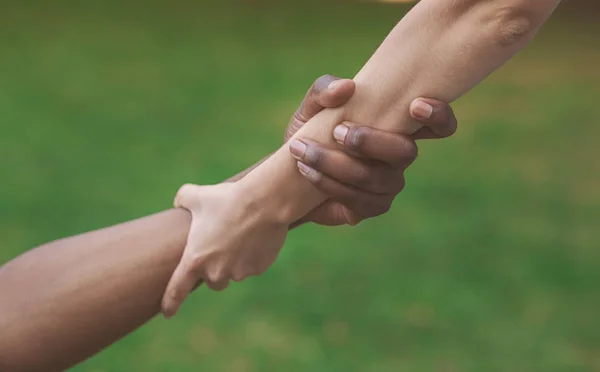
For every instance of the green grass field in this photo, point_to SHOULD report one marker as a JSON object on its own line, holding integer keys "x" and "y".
{"x": 489, "y": 261}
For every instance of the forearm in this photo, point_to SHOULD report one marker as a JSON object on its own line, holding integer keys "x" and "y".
{"x": 243, "y": 173}
{"x": 441, "y": 49}
{"x": 66, "y": 300}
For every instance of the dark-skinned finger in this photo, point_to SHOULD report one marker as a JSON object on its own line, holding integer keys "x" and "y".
{"x": 387, "y": 147}
{"x": 327, "y": 91}
{"x": 361, "y": 203}
{"x": 437, "y": 117}
{"x": 370, "y": 176}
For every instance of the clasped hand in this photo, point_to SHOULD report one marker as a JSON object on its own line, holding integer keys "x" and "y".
{"x": 230, "y": 239}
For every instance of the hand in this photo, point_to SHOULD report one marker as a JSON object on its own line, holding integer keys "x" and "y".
{"x": 229, "y": 239}
{"x": 365, "y": 173}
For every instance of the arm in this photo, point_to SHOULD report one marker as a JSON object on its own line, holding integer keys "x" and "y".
{"x": 64, "y": 301}
{"x": 441, "y": 49}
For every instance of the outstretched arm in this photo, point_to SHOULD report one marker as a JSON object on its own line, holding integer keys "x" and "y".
{"x": 441, "y": 49}
{"x": 64, "y": 301}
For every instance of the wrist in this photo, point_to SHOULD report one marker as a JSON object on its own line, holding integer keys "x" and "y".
{"x": 262, "y": 197}
{"x": 243, "y": 173}
{"x": 283, "y": 195}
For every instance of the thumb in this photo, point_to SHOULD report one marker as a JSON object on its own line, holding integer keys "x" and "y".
{"x": 437, "y": 117}
{"x": 184, "y": 280}
{"x": 326, "y": 92}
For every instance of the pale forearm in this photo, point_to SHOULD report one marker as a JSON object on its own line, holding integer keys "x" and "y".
{"x": 441, "y": 49}
{"x": 66, "y": 300}
{"x": 243, "y": 173}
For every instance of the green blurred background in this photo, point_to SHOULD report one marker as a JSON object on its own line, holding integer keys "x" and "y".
{"x": 489, "y": 261}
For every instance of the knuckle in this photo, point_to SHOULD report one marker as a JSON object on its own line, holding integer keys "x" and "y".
{"x": 317, "y": 179}
{"x": 445, "y": 124}
{"x": 218, "y": 286}
{"x": 361, "y": 176}
{"x": 186, "y": 188}
{"x": 373, "y": 206}
{"x": 238, "y": 276}
{"x": 398, "y": 185}
{"x": 321, "y": 84}
{"x": 411, "y": 150}
{"x": 253, "y": 272}
{"x": 217, "y": 274}
{"x": 355, "y": 222}
{"x": 381, "y": 183}
{"x": 295, "y": 125}
{"x": 195, "y": 261}
{"x": 258, "y": 269}
{"x": 388, "y": 184}
{"x": 407, "y": 153}
{"x": 401, "y": 183}
{"x": 299, "y": 117}
{"x": 369, "y": 209}
{"x": 182, "y": 193}
{"x": 324, "y": 80}
{"x": 353, "y": 219}
{"x": 452, "y": 124}
{"x": 383, "y": 209}
{"x": 377, "y": 208}
{"x": 213, "y": 278}
{"x": 356, "y": 138}
{"x": 314, "y": 155}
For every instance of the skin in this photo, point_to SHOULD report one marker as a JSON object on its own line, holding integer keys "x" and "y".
{"x": 66, "y": 300}
{"x": 442, "y": 49}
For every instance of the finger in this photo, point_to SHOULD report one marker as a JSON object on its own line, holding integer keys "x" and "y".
{"x": 180, "y": 285}
{"x": 246, "y": 268}
{"x": 387, "y": 147}
{"x": 218, "y": 286}
{"x": 369, "y": 176}
{"x": 361, "y": 203}
{"x": 217, "y": 275}
{"x": 437, "y": 117}
{"x": 327, "y": 92}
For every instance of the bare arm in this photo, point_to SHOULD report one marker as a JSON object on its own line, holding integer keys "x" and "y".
{"x": 441, "y": 49}
{"x": 66, "y": 300}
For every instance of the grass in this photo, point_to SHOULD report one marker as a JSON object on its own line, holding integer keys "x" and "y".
{"x": 488, "y": 261}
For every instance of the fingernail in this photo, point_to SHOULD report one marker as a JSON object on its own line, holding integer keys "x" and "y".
{"x": 308, "y": 172}
{"x": 333, "y": 84}
{"x": 421, "y": 109}
{"x": 297, "y": 148}
{"x": 340, "y": 132}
